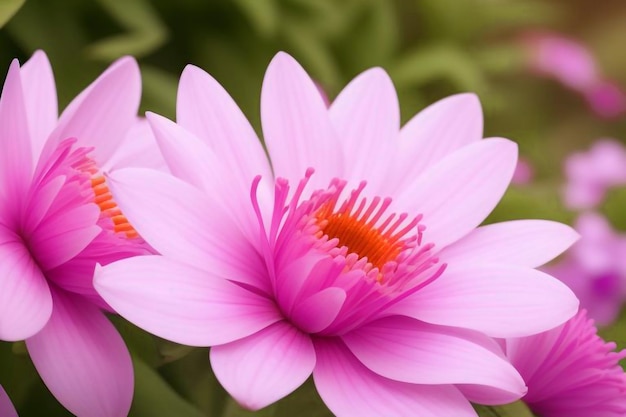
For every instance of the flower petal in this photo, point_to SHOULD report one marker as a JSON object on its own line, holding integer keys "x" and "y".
{"x": 205, "y": 109}
{"x": 16, "y": 161}
{"x": 83, "y": 360}
{"x": 366, "y": 117}
{"x": 318, "y": 311}
{"x": 407, "y": 350}
{"x": 181, "y": 222}
{"x": 530, "y": 243}
{"x": 266, "y": 366}
{"x": 501, "y": 301}
{"x": 25, "y": 300}
{"x": 64, "y": 235}
{"x": 350, "y": 389}
{"x": 182, "y": 303}
{"x": 40, "y": 96}
{"x": 6, "y": 407}
{"x": 138, "y": 149}
{"x": 104, "y": 111}
{"x": 457, "y": 194}
{"x": 435, "y": 132}
{"x": 296, "y": 126}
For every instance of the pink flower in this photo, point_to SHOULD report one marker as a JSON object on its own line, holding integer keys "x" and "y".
{"x": 595, "y": 268}
{"x": 570, "y": 371}
{"x": 6, "y": 407}
{"x": 590, "y": 174}
{"x": 523, "y": 173}
{"x": 57, "y": 220}
{"x": 301, "y": 268}
{"x": 573, "y": 65}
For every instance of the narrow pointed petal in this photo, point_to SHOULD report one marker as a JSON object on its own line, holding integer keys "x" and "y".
{"x": 83, "y": 360}
{"x": 366, "y": 117}
{"x": 350, "y": 389}
{"x": 182, "y": 303}
{"x": 181, "y": 222}
{"x": 15, "y": 159}
{"x": 407, "y": 350}
{"x": 434, "y": 133}
{"x": 40, "y": 96}
{"x": 266, "y": 366}
{"x": 103, "y": 112}
{"x": 530, "y": 243}
{"x": 458, "y": 193}
{"x": 498, "y": 300}
{"x": 296, "y": 125}
{"x": 6, "y": 407}
{"x": 205, "y": 109}
{"x": 138, "y": 149}
{"x": 25, "y": 300}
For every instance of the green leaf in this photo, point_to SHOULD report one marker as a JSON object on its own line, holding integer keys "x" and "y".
{"x": 145, "y": 31}
{"x": 155, "y": 398}
{"x": 8, "y": 8}
{"x": 516, "y": 409}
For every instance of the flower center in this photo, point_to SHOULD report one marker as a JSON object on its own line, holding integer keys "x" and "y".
{"x": 359, "y": 231}
{"x": 108, "y": 207}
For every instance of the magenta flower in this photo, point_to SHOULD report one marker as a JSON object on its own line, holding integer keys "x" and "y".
{"x": 6, "y": 406}
{"x": 590, "y": 174}
{"x": 595, "y": 268}
{"x": 573, "y": 65}
{"x": 358, "y": 261}
{"x": 57, "y": 221}
{"x": 570, "y": 371}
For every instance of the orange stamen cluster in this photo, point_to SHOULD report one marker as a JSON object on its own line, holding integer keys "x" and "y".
{"x": 104, "y": 199}
{"x": 359, "y": 234}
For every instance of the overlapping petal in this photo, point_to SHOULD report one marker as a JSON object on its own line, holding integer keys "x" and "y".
{"x": 499, "y": 300}
{"x": 348, "y": 388}
{"x": 6, "y": 407}
{"x": 182, "y": 303}
{"x": 83, "y": 360}
{"x": 266, "y": 366}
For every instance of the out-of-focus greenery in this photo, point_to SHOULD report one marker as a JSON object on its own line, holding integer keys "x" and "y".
{"x": 431, "y": 48}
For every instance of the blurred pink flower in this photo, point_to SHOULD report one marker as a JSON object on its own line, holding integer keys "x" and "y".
{"x": 6, "y": 407}
{"x": 570, "y": 371}
{"x": 595, "y": 268}
{"x": 523, "y": 173}
{"x": 571, "y": 63}
{"x": 590, "y": 174}
{"x": 57, "y": 220}
{"x": 388, "y": 301}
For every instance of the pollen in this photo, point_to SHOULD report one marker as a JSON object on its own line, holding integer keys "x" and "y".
{"x": 108, "y": 207}
{"x": 361, "y": 231}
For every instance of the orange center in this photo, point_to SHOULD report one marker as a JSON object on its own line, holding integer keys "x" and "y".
{"x": 104, "y": 199}
{"x": 359, "y": 235}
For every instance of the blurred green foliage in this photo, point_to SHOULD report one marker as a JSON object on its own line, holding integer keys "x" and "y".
{"x": 431, "y": 48}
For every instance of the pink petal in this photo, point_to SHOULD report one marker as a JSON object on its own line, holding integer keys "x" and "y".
{"x": 266, "y": 366}
{"x": 191, "y": 160}
{"x": 83, "y": 360}
{"x": 62, "y": 236}
{"x": 458, "y": 193}
{"x": 434, "y": 133}
{"x": 530, "y": 243}
{"x": 204, "y": 108}
{"x": 40, "y": 97}
{"x": 6, "y": 407}
{"x": 296, "y": 126}
{"x": 350, "y": 389}
{"x": 318, "y": 311}
{"x": 182, "y": 303}
{"x": 181, "y": 222}
{"x": 25, "y": 301}
{"x": 407, "y": 350}
{"x": 15, "y": 159}
{"x": 104, "y": 111}
{"x": 138, "y": 149}
{"x": 481, "y": 394}
{"x": 499, "y": 300}
{"x": 366, "y": 117}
